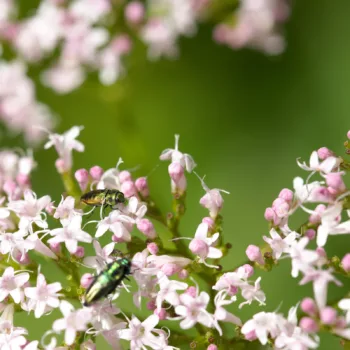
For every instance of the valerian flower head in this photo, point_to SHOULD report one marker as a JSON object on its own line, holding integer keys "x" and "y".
{"x": 72, "y": 321}
{"x": 12, "y": 284}
{"x": 71, "y": 233}
{"x": 44, "y": 297}
{"x": 144, "y": 334}
{"x": 324, "y": 167}
{"x": 64, "y": 145}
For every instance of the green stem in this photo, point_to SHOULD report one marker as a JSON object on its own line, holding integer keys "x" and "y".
{"x": 70, "y": 185}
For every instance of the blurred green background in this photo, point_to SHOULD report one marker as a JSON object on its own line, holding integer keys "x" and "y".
{"x": 244, "y": 117}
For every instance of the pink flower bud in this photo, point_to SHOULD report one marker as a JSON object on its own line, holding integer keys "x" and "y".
{"x": 122, "y": 44}
{"x": 270, "y": 214}
{"x": 23, "y": 180}
{"x": 340, "y": 322}
{"x": 86, "y": 280}
{"x": 61, "y": 166}
{"x": 82, "y": 176}
{"x": 213, "y": 201}
{"x": 199, "y": 247}
{"x": 251, "y": 336}
{"x": 316, "y": 218}
{"x": 117, "y": 239}
{"x": 183, "y": 274}
{"x": 128, "y": 188}
{"x": 176, "y": 171}
{"x": 254, "y": 254}
{"x": 96, "y": 172}
{"x": 169, "y": 269}
{"x": 134, "y": 12}
{"x": 192, "y": 291}
{"x": 321, "y": 252}
{"x": 324, "y": 153}
{"x": 328, "y": 315}
{"x": 286, "y": 194}
{"x": 9, "y": 187}
{"x": 212, "y": 347}
{"x": 346, "y": 262}
{"x": 153, "y": 248}
{"x": 308, "y": 325}
{"x": 160, "y": 313}
{"x": 310, "y": 234}
{"x": 55, "y": 247}
{"x": 80, "y": 252}
{"x": 209, "y": 221}
{"x": 308, "y": 306}
{"x": 335, "y": 181}
{"x": 151, "y": 305}
{"x": 281, "y": 207}
{"x": 125, "y": 176}
{"x": 146, "y": 227}
{"x": 249, "y": 269}
{"x": 142, "y": 186}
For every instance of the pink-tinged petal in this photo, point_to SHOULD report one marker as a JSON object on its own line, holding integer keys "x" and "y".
{"x": 322, "y": 235}
{"x": 97, "y": 247}
{"x": 126, "y": 334}
{"x": 84, "y": 237}
{"x": 4, "y": 213}
{"x": 54, "y": 287}
{"x": 53, "y": 302}
{"x": 186, "y": 300}
{"x": 33, "y": 345}
{"x": 181, "y": 310}
{"x": 328, "y": 164}
{"x": 202, "y": 231}
{"x": 344, "y": 333}
{"x": 57, "y": 232}
{"x": 3, "y": 294}
{"x": 214, "y": 253}
{"x": 66, "y": 308}
{"x": 108, "y": 249}
{"x": 30, "y": 292}
{"x": 262, "y": 335}
{"x": 39, "y": 309}
{"x": 75, "y": 223}
{"x": 141, "y": 211}
{"x": 72, "y": 245}
{"x": 205, "y": 319}
{"x": 133, "y": 203}
{"x": 21, "y": 279}
{"x": 248, "y": 327}
{"x": 166, "y": 154}
{"x": 189, "y": 163}
{"x": 314, "y": 160}
{"x": 187, "y": 323}
{"x": 344, "y": 304}
{"x": 213, "y": 238}
{"x": 9, "y": 272}
{"x": 320, "y": 292}
{"x": 101, "y": 230}
{"x": 16, "y": 295}
{"x": 150, "y": 322}
{"x": 233, "y": 319}
{"x": 203, "y": 298}
{"x": 29, "y": 196}
{"x": 43, "y": 202}
{"x": 41, "y": 280}
{"x": 59, "y": 325}
{"x": 44, "y": 250}
{"x": 70, "y": 335}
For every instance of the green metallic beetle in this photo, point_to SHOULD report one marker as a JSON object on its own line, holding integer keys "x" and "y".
{"x": 107, "y": 281}
{"x": 103, "y": 198}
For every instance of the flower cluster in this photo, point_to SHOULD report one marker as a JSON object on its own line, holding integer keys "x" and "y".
{"x": 76, "y": 37}
{"x": 165, "y": 277}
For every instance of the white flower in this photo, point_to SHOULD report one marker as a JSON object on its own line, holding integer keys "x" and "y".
{"x": 43, "y": 297}
{"x": 71, "y": 233}
{"x": 121, "y": 226}
{"x": 102, "y": 257}
{"x": 193, "y": 310}
{"x": 344, "y": 304}
{"x": 11, "y": 284}
{"x": 296, "y": 340}
{"x": 202, "y": 245}
{"x": 65, "y": 209}
{"x": 168, "y": 290}
{"x": 331, "y": 225}
{"x": 221, "y": 314}
{"x": 12, "y": 241}
{"x": 157, "y": 262}
{"x": 11, "y": 338}
{"x": 73, "y": 321}
{"x": 263, "y": 324}
{"x": 229, "y": 281}
{"x": 278, "y": 244}
{"x": 30, "y": 210}
{"x": 65, "y": 144}
{"x": 137, "y": 210}
{"x": 324, "y": 167}
{"x": 310, "y": 192}
{"x": 301, "y": 258}
{"x": 175, "y": 155}
{"x": 251, "y": 293}
{"x": 141, "y": 334}
{"x": 320, "y": 279}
